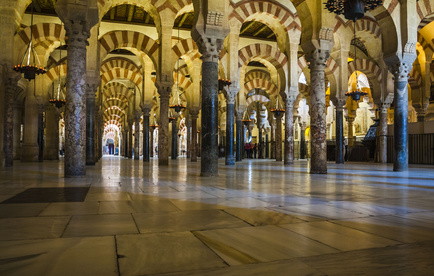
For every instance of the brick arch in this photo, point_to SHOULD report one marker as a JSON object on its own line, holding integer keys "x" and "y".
{"x": 257, "y": 98}
{"x": 115, "y": 102}
{"x": 54, "y": 72}
{"x": 371, "y": 70}
{"x": 122, "y": 73}
{"x": 424, "y": 9}
{"x": 185, "y": 47}
{"x": 113, "y": 122}
{"x": 263, "y": 84}
{"x": 264, "y": 51}
{"x": 113, "y": 114}
{"x": 121, "y": 39}
{"x": 257, "y": 74}
{"x": 119, "y": 62}
{"x": 117, "y": 90}
{"x": 243, "y": 9}
{"x": 184, "y": 82}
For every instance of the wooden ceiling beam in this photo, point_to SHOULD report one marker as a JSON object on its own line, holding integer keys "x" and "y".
{"x": 147, "y": 18}
{"x": 130, "y": 12}
{"x": 247, "y": 27}
{"x": 181, "y": 22}
{"x": 113, "y": 13}
{"x": 270, "y": 35}
{"x": 260, "y": 30}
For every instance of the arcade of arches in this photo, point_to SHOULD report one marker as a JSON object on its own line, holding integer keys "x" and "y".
{"x": 121, "y": 65}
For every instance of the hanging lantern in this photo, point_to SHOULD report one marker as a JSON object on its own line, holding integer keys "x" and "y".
{"x": 223, "y": 83}
{"x": 277, "y": 111}
{"x": 352, "y": 9}
{"x": 57, "y": 97}
{"x": 30, "y": 64}
{"x": 177, "y": 105}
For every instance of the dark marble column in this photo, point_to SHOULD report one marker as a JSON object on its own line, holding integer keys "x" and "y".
{"x": 125, "y": 142}
{"x": 230, "y": 116}
{"x": 137, "y": 137}
{"x": 174, "y": 139}
{"x": 339, "y": 131}
{"x": 151, "y": 142}
{"x": 302, "y": 140}
{"x": 400, "y": 156}
{"x": 163, "y": 129}
{"x": 273, "y": 138}
{"x": 318, "y": 125}
{"x": 194, "y": 114}
{"x": 18, "y": 111}
{"x": 130, "y": 139}
{"x": 267, "y": 148}
{"x": 209, "y": 126}
{"x": 188, "y": 123}
{"x": 279, "y": 137}
{"x": 289, "y": 130}
{"x": 146, "y": 146}
{"x": 8, "y": 125}
{"x": 382, "y": 134}
{"x": 41, "y": 142}
{"x": 90, "y": 125}
{"x": 51, "y": 150}
{"x": 30, "y": 148}
{"x": 239, "y": 133}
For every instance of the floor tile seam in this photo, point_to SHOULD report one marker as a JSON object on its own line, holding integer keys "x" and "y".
{"x": 117, "y": 254}
{"x": 66, "y": 226}
{"x": 224, "y": 211}
{"x": 416, "y": 221}
{"x": 371, "y": 233}
{"x": 135, "y": 223}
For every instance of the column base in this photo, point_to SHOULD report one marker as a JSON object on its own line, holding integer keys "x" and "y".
{"x": 230, "y": 160}
{"x": 30, "y": 153}
{"x": 90, "y": 163}
{"x": 209, "y": 174}
{"x": 318, "y": 172}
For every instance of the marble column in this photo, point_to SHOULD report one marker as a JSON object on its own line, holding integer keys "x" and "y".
{"x": 188, "y": 124}
{"x": 209, "y": 126}
{"x": 239, "y": 133}
{"x": 151, "y": 142}
{"x": 193, "y": 115}
{"x": 318, "y": 125}
{"x": 289, "y": 130}
{"x": 339, "y": 131}
{"x": 137, "y": 137}
{"x": 267, "y": 148}
{"x": 302, "y": 140}
{"x": 400, "y": 156}
{"x": 146, "y": 143}
{"x": 273, "y": 139}
{"x": 174, "y": 139}
{"x": 350, "y": 121}
{"x": 382, "y": 134}
{"x": 51, "y": 150}
{"x": 8, "y": 124}
{"x": 78, "y": 17}
{"x": 18, "y": 112}
{"x": 163, "y": 130}
{"x": 230, "y": 116}
{"x": 30, "y": 148}
{"x": 279, "y": 137}
{"x": 125, "y": 143}
{"x": 41, "y": 142}
{"x": 90, "y": 124}
{"x": 130, "y": 139}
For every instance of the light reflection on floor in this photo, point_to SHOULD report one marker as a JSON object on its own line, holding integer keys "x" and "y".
{"x": 257, "y": 218}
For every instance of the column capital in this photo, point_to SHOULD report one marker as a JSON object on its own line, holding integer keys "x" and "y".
{"x": 317, "y": 58}
{"x": 194, "y": 113}
{"x": 146, "y": 111}
{"x": 210, "y": 47}
{"x": 401, "y": 70}
{"x": 339, "y": 103}
{"x": 164, "y": 88}
{"x": 383, "y": 107}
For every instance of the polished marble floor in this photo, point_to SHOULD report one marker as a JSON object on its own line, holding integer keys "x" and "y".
{"x": 257, "y": 218}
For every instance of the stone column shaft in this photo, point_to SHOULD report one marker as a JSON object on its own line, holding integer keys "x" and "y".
{"x": 350, "y": 131}
{"x": 8, "y": 131}
{"x": 146, "y": 143}
{"x": 163, "y": 131}
{"x": 382, "y": 135}
{"x": 17, "y": 131}
{"x": 151, "y": 143}
{"x": 318, "y": 125}
{"x": 174, "y": 140}
{"x": 193, "y": 138}
{"x": 339, "y": 133}
{"x": 289, "y": 130}
{"x": 41, "y": 109}
{"x": 302, "y": 140}
{"x": 130, "y": 139}
{"x": 189, "y": 138}
{"x": 90, "y": 126}
{"x": 273, "y": 138}
{"x": 136, "y": 138}
{"x": 239, "y": 142}
{"x": 30, "y": 149}
{"x": 279, "y": 138}
{"x": 230, "y": 116}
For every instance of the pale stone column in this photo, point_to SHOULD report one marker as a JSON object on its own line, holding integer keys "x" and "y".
{"x": 382, "y": 133}
{"x": 146, "y": 144}
{"x": 194, "y": 114}
{"x": 230, "y": 124}
{"x": 279, "y": 137}
{"x": 400, "y": 157}
{"x": 51, "y": 150}
{"x": 90, "y": 124}
{"x": 289, "y": 130}
{"x": 30, "y": 149}
{"x": 163, "y": 129}
{"x": 317, "y": 61}
{"x": 239, "y": 142}
{"x": 18, "y": 111}
{"x": 78, "y": 18}
{"x": 8, "y": 131}
{"x": 339, "y": 103}
{"x": 136, "y": 137}
{"x": 350, "y": 121}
